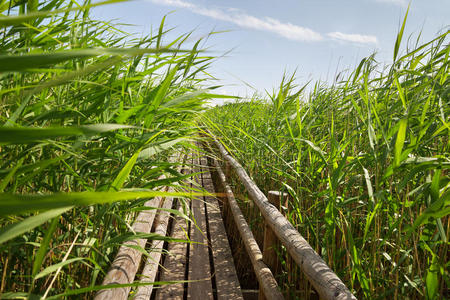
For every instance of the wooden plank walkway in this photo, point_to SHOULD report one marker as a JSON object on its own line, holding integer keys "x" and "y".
{"x": 202, "y": 269}
{"x": 197, "y": 262}
{"x": 207, "y": 262}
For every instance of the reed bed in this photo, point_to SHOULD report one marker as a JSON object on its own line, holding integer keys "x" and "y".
{"x": 366, "y": 163}
{"x": 89, "y": 115}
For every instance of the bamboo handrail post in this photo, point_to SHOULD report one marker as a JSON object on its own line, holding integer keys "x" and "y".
{"x": 227, "y": 169}
{"x": 271, "y": 243}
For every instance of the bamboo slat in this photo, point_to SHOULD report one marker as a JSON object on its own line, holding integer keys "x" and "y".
{"x": 175, "y": 262}
{"x": 227, "y": 282}
{"x": 152, "y": 262}
{"x": 126, "y": 263}
{"x": 199, "y": 275}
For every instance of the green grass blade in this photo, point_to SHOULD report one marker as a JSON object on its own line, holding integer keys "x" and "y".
{"x": 39, "y": 258}
{"x": 15, "y": 63}
{"x": 55, "y": 267}
{"x": 400, "y": 141}
{"x": 23, "y": 135}
{"x": 19, "y": 19}
{"x": 18, "y": 204}
{"x": 400, "y": 36}
{"x": 118, "y": 182}
{"x": 10, "y": 175}
{"x": 13, "y": 230}
{"x": 157, "y": 148}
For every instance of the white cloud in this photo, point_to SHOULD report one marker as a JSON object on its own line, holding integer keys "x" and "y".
{"x": 176, "y": 3}
{"x": 353, "y": 38}
{"x": 402, "y": 3}
{"x": 287, "y": 30}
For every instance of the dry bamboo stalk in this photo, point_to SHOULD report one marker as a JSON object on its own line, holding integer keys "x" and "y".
{"x": 127, "y": 261}
{"x": 152, "y": 262}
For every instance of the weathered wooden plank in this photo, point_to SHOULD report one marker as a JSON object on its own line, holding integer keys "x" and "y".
{"x": 324, "y": 280}
{"x": 227, "y": 282}
{"x": 127, "y": 260}
{"x": 175, "y": 262}
{"x": 265, "y": 278}
{"x": 152, "y": 262}
{"x": 199, "y": 275}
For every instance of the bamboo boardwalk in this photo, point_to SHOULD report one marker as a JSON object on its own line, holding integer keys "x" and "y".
{"x": 196, "y": 261}
{"x": 207, "y": 262}
{"x": 203, "y": 268}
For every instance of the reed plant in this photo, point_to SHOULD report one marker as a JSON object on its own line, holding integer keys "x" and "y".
{"x": 366, "y": 163}
{"x": 89, "y": 115}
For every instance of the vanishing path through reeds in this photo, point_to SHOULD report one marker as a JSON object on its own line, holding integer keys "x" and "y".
{"x": 196, "y": 260}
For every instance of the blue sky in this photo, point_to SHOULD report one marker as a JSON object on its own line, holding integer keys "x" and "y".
{"x": 267, "y": 37}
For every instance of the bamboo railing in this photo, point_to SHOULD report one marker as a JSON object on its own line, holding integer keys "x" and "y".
{"x": 265, "y": 277}
{"x": 323, "y": 279}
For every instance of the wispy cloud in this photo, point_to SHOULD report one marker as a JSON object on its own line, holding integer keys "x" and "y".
{"x": 402, "y": 3}
{"x": 241, "y": 19}
{"x": 353, "y": 38}
{"x": 286, "y": 30}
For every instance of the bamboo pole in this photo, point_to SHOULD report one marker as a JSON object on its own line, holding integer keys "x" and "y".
{"x": 265, "y": 278}
{"x": 127, "y": 261}
{"x": 271, "y": 242}
{"x": 152, "y": 262}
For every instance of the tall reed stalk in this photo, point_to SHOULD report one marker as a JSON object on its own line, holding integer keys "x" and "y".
{"x": 366, "y": 162}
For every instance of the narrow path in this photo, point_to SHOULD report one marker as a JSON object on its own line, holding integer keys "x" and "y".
{"x": 207, "y": 261}
{"x": 196, "y": 261}
{"x": 202, "y": 269}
